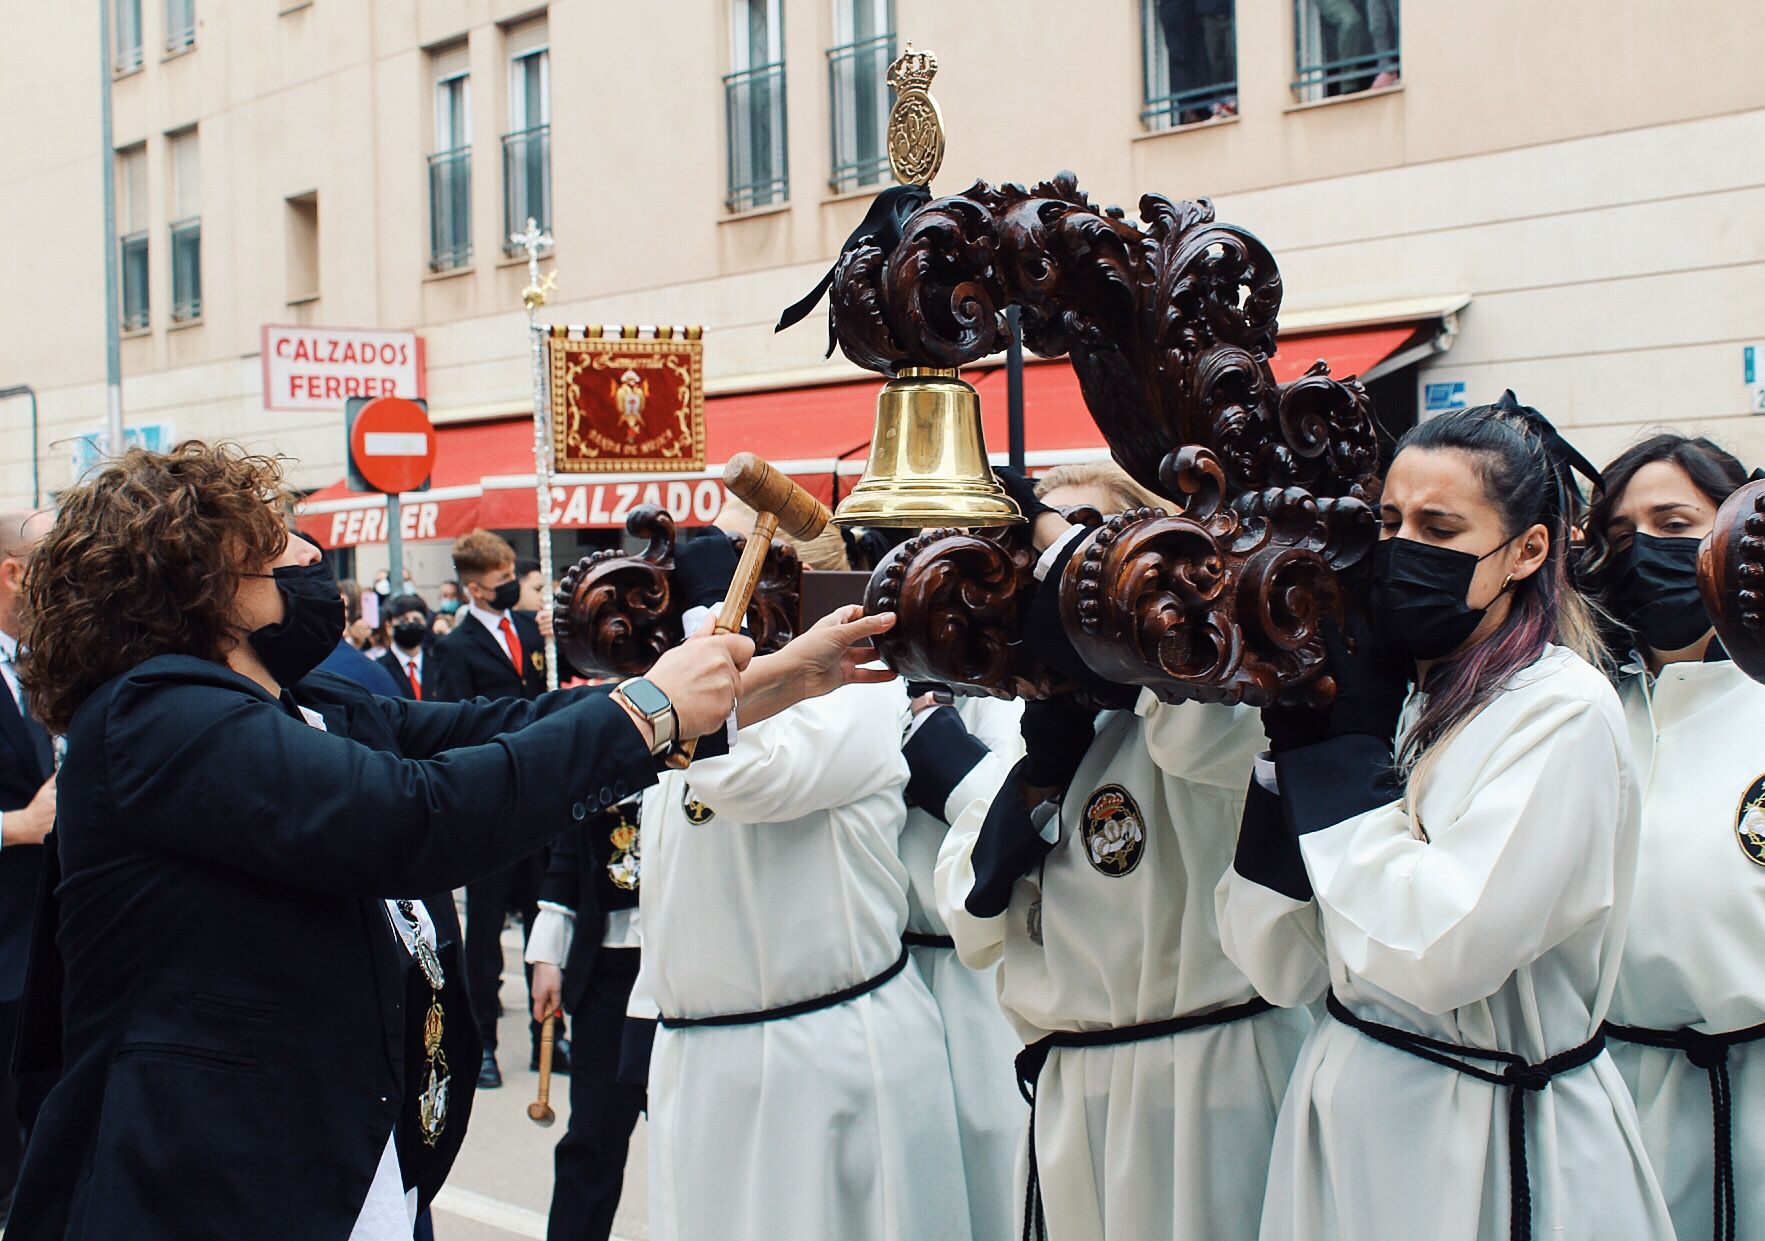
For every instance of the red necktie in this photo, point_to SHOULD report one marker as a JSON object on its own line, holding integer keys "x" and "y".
{"x": 514, "y": 644}
{"x": 416, "y": 681}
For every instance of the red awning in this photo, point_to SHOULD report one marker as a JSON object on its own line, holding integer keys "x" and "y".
{"x": 484, "y": 470}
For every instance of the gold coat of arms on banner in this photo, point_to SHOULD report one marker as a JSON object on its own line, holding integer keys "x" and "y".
{"x": 624, "y": 402}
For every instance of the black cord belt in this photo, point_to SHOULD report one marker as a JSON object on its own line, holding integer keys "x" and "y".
{"x": 1519, "y": 1076}
{"x": 925, "y": 939}
{"x": 789, "y": 1010}
{"x": 1708, "y": 1052}
{"x": 1031, "y": 1059}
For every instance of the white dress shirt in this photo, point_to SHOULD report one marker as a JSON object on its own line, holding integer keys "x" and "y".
{"x": 493, "y": 621}
{"x": 408, "y": 660}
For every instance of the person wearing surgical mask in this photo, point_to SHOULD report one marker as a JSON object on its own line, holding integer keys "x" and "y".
{"x": 494, "y": 651}
{"x": 407, "y": 654}
{"x": 1689, "y": 1010}
{"x": 1450, "y": 870}
{"x": 245, "y": 964}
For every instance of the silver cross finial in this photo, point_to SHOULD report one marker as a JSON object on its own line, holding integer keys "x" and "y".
{"x": 533, "y": 239}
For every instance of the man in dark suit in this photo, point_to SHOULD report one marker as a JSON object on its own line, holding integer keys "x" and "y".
{"x": 27, "y": 812}
{"x": 494, "y": 651}
{"x": 586, "y": 926}
{"x": 408, "y": 658}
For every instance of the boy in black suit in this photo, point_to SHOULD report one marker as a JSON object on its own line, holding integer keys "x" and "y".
{"x": 406, "y": 657}
{"x": 494, "y": 651}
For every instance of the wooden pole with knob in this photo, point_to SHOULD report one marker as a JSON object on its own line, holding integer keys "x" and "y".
{"x": 780, "y": 504}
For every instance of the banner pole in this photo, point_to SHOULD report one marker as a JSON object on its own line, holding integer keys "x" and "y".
{"x": 533, "y": 239}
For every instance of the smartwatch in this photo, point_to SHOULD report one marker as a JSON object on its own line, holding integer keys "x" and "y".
{"x": 644, "y": 697}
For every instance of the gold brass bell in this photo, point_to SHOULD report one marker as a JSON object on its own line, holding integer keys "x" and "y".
{"x": 928, "y": 461}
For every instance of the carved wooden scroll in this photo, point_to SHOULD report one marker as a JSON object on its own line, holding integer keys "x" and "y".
{"x": 617, "y": 612}
{"x": 1170, "y": 323}
{"x": 1731, "y": 576}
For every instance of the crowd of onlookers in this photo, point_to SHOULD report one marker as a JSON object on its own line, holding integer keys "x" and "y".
{"x": 374, "y": 613}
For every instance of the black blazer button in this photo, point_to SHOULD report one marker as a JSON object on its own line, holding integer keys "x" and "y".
{"x": 579, "y": 812}
{"x": 606, "y": 797}
{"x": 621, "y": 790}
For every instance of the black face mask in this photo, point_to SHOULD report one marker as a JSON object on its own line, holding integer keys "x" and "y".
{"x": 507, "y": 596}
{"x": 1419, "y": 596}
{"x": 1654, "y": 591}
{"x": 311, "y": 624}
{"x": 409, "y": 635}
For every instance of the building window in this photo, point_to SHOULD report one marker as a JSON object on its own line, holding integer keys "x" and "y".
{"x": 1343, "y": 47}
{"x": 128, "y": 35}
{"x": 131, "y": 218}
{"x": 303, "y": 247}
{"x": 858, "y": 87}
{"x": 450, "y": 168}
{"x": 754, "y": 105}
{"x": 527, "y": 165}
{"x": 1190, "y": 54}
{"x": 186, "y": 229}
{"x": 180, "y": 24}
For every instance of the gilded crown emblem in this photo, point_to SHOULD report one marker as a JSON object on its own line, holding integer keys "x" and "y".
{"x": 913, "y": 70}
{"x": 916, "y": 128}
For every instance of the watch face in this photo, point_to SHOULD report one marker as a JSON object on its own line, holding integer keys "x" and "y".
{"x": 645, "y": 696}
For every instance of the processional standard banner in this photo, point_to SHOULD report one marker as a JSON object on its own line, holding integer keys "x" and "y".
{"x": 627, "y": 399}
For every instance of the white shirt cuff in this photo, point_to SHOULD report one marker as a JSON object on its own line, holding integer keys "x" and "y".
{"x": 690, "y": 623}
{"x": 624, "y": 929}
{"x": 1266, "y": 775}
{"x": 1045, "y": 818}
{"x": 1045, "y": 561}
{"x": 553, "y": 930}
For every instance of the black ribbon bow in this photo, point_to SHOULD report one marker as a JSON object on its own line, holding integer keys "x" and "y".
{"x": 883, "y": 224}
{"x": 1564, "y": 456}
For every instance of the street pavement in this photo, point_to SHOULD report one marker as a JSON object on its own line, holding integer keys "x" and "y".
{"x": 501, "y": 1184}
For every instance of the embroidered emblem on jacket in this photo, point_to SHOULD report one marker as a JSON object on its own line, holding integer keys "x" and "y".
{"x": 1749, "y": 822}
{"x": 625, "y": 863}
{"x": 1112, "y": 832}
{"x": 697, "y": 812}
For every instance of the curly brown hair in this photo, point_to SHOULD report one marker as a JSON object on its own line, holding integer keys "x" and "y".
{"x": 144, "y": 559}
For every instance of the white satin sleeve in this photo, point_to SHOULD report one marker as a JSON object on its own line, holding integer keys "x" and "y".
{"x": 818, "y": 755}
{"x": 979, "y": 941}
{"x": 1523, "y": 860}
{"x": 1201, "y": 742}
{"x": 1273, "y": 939}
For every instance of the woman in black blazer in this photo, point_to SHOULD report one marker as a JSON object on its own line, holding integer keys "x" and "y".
{"x": 263, "y": 1032}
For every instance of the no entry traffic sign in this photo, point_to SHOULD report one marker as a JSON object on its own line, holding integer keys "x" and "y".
{"x": 391, "y": 444}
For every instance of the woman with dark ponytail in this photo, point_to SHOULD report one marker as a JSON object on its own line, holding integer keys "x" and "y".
{"x": 1451, "y": 869}
{"x": 1689, "y": 1010}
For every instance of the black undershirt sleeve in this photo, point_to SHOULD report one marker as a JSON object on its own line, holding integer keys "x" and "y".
{"x": 940, "y": 754}
{"x": 1324, "y": 784}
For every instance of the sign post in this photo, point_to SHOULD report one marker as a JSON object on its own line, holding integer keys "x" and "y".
{"x": 533, "y": 239}
{"x": 391, "y": 449}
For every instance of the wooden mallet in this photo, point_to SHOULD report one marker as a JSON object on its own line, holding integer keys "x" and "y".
{"x": 540, "y": 1110}
{"x": 781, "y": 505}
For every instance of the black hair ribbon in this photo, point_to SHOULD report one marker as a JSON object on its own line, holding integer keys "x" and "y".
{"x": 882, "y": 225}
{"x": 1564, "y": 456}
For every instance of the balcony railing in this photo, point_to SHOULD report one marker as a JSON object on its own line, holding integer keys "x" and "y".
{"x": 858, "y": 87}
{"x": 450, "y": 209}
{"x": 127, "y": 55}
{"x": 758, "y": 170}
{"x": 180, "y": 24}
{"x": 527, "y": 181}
{"x": 133, "y": 252}
{"x": 186, "y": 270}
{"x": 1190, "y": 106}
{"x": 1193, "y": 79}
{"x": 1342, "y": 49}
